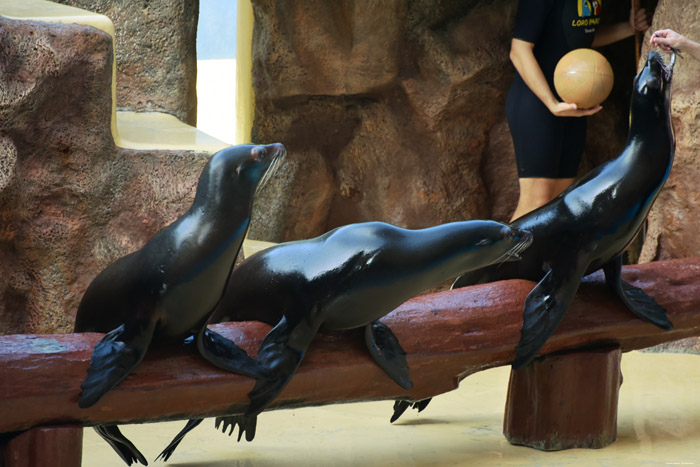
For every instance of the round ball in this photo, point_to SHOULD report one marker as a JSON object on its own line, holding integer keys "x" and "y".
{"x": 583, "y": 77}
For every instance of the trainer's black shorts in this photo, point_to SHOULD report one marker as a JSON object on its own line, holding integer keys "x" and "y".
{"x": 545, "y": 146}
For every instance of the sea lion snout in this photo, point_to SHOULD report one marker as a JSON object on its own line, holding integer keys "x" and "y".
{"x": 522, "y": 239}
{"x": 655, "y": 74}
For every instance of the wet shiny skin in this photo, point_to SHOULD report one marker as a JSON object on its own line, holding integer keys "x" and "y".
{"x": 356, "y": 274}
{"x": 590, "y": 225}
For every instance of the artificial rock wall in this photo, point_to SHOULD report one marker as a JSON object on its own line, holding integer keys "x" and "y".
{"x": 155, "y": 51}
{"x": 71, "y": 201}
{"x": 390, "y": 111}
{"x": 675, "y": 217}
{"x": 394, "y": 111}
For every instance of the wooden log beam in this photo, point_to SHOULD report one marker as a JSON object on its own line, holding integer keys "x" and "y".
{"x": 447, "y": 336}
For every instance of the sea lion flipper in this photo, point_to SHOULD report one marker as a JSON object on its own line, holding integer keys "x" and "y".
{"x": 634, "y": 298}
{"x": 386, "y": 351}
{"x": 279, "y": 355}
{"x": 125, "y": 448}
{"x": 113, "y": 358}
{"x": 400, "y": 407}
{"x": 225, "y": 354}
{"x": 168, "y": 451}
{"x": 545, "y": 307}
{"x": 246, "y": 424}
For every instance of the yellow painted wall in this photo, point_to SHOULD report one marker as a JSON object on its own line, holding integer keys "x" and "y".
{"x": 244, "y": 72}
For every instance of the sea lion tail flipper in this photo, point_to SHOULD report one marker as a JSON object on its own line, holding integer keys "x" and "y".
{"x": 125, "y": 448}
{"x": 545, "y": 306}
{"x": 225, "y": 354}
{"x": 401, "y": 406}
{"x": 113, "y": 358}
{"x": 386, "y": 351}
{"x": 279, "y": 355}
{"x": 246, "y": 424}
{"x": 634, "y": 298}
{"x": 168, "y": 451}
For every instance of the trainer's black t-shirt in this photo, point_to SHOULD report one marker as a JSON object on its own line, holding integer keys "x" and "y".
{"x": 556, "y": 27}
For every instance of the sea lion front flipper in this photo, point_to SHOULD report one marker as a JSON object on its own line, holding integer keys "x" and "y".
{"x": 545, "y": 307}
{"x": 634, "y": 298}
{"x": 386, "y": 351}
{"x": 225, "y": 354}
{"x": 125, "y": 448}
{"x": 246, "y": 424}
{"x": 114, "y": 357}
{"x": 170, "y": 448}
{"x": 400, "y": 407}
{"x": 279, "y": 355}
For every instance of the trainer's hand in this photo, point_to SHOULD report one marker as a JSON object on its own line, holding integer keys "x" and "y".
{"x": 562, "y": 109}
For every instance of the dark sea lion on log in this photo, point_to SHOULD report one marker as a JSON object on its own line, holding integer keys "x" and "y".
{"x": 167, "y": 290}
{"x": 590, "y": 225}
{"x": 347, "y": 279}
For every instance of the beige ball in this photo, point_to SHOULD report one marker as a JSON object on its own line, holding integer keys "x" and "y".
{"x": 583, "y": 77}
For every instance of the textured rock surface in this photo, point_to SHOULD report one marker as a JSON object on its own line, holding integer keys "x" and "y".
{"x": 156, "y": 53}
{"x": 411, "y": 132}
{"x": 70, "y": 201}
{"x": 675, "y": 217}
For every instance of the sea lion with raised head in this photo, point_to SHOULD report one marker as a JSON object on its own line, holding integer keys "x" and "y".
{"x": 346, "y": 279}
{"x": 166, "y": 291}
{"x": 589, "y": 225}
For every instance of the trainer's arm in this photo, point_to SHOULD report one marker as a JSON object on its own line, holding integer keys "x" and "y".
{"x": 667, "y": 38}
{"x": 523, "y": 58}
{"x": 609, "y": 33}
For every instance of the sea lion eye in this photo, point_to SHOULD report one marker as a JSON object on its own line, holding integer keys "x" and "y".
{"x": 257, "y": 153}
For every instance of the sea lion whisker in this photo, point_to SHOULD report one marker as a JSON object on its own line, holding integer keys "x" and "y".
{"x": 268, "y": 174}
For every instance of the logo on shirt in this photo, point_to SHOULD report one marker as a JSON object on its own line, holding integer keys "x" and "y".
{"x": 589, "y": 8}
{"x": 588, "y": 13}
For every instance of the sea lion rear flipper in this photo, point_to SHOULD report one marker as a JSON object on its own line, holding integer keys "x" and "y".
{"x": 279, "y": 355}
{"x": 168, "y": 451}
{"x": 634, "y": 298}
{"x": 400, "y": 407}
{"x": 386, "y": 351}
{"x": 545, "y": 307}
{"x": 125, "y": 448}
{"x": 246, "y": 424}
{"x": 225, "y": 354}
{"x": 113, "y": 358}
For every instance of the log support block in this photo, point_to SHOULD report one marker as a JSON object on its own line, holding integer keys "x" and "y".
{"x": 564, "y": 401}
{"x": 46, "y": 446}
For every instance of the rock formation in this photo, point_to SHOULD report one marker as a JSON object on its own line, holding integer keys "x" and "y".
{"x": 675, "y": 216}
{"x": 70, "y": 201}
{"x": 394, "y": 111}
{"x": 156, "y": 53}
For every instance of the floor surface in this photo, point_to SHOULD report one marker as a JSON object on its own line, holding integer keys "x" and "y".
{"x": 658, "y": 424}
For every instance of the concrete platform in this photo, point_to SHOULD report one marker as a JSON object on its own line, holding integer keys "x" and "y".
{"x": 658, "y": 424}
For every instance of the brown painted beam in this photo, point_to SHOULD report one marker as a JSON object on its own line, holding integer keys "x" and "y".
{"x": 447, "y": 336}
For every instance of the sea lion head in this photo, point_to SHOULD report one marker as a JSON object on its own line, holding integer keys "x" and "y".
{"x": 239, "y": 171}
{"x": 654, "y": 81}
{"x": 521, "y": 240}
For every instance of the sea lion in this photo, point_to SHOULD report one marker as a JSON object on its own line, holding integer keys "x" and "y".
{"x": 166, "y": 291}
{"x": 590, "y": 224}
{"x": 345, "y": 279}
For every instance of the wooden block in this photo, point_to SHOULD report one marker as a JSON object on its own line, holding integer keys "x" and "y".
{"x": 47, "y": 446}
{"x": 565, "y": 401}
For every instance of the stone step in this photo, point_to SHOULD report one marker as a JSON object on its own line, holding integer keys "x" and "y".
{"x": 131, "y": 130}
